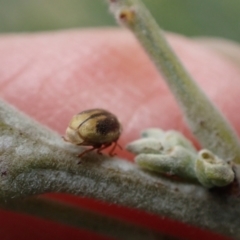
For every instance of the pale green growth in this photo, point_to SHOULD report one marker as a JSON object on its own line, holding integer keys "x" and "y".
{"x": 206, "y": 122}
{"x": 213, "y": 171}
{"x": 174, "y": 138}
{"x": 172, "y": 154}
{"x": 145, "y": 145}
{"x": 165, "y": 152}
{"x": 155, "y": 140}
{"x": 153, "y": 132}
{"x": 179, "y": 161}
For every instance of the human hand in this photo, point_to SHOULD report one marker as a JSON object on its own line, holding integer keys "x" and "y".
{"x": 52, "y": 76}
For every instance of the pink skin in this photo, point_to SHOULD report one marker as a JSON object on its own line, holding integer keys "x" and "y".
{"x": 52, "y": 76}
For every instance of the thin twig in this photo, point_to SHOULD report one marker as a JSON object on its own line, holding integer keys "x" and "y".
{"x": 206, "y": 122}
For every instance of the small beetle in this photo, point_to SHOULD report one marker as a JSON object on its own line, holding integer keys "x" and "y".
{"x": 95, "y": 127}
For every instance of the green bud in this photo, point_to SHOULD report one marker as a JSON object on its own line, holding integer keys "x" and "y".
{"x": 177, "y": 161}
{"x": 153, "y": 133}
{"x": 212, "y": 171}
{"x": 169, "y": 139}
{"x": 145, "y": 145}
{"x": 173, "y": 138}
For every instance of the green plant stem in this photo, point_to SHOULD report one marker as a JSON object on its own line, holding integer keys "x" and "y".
{"x": 206, "y": 122}
{"x": 35, "y": 160}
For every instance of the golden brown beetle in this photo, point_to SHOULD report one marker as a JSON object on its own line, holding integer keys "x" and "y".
{"x": 95, "y": 127}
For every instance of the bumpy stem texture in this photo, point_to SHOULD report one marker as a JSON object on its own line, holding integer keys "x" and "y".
{"x": 35, "y": 160}
{"x": 206, "y": 122}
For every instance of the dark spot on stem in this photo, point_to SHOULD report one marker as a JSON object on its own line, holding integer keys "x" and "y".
{"x": 127, "y": 15}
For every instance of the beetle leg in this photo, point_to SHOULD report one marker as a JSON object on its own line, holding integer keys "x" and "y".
{"x": 103, "y": 147}
{"x": 113, "y": 148}
{"x": 86, "y": 151}
{"x": 115, "y": 144}
{"x": 99, "y": 149}
{"x": 64, "y": 138}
